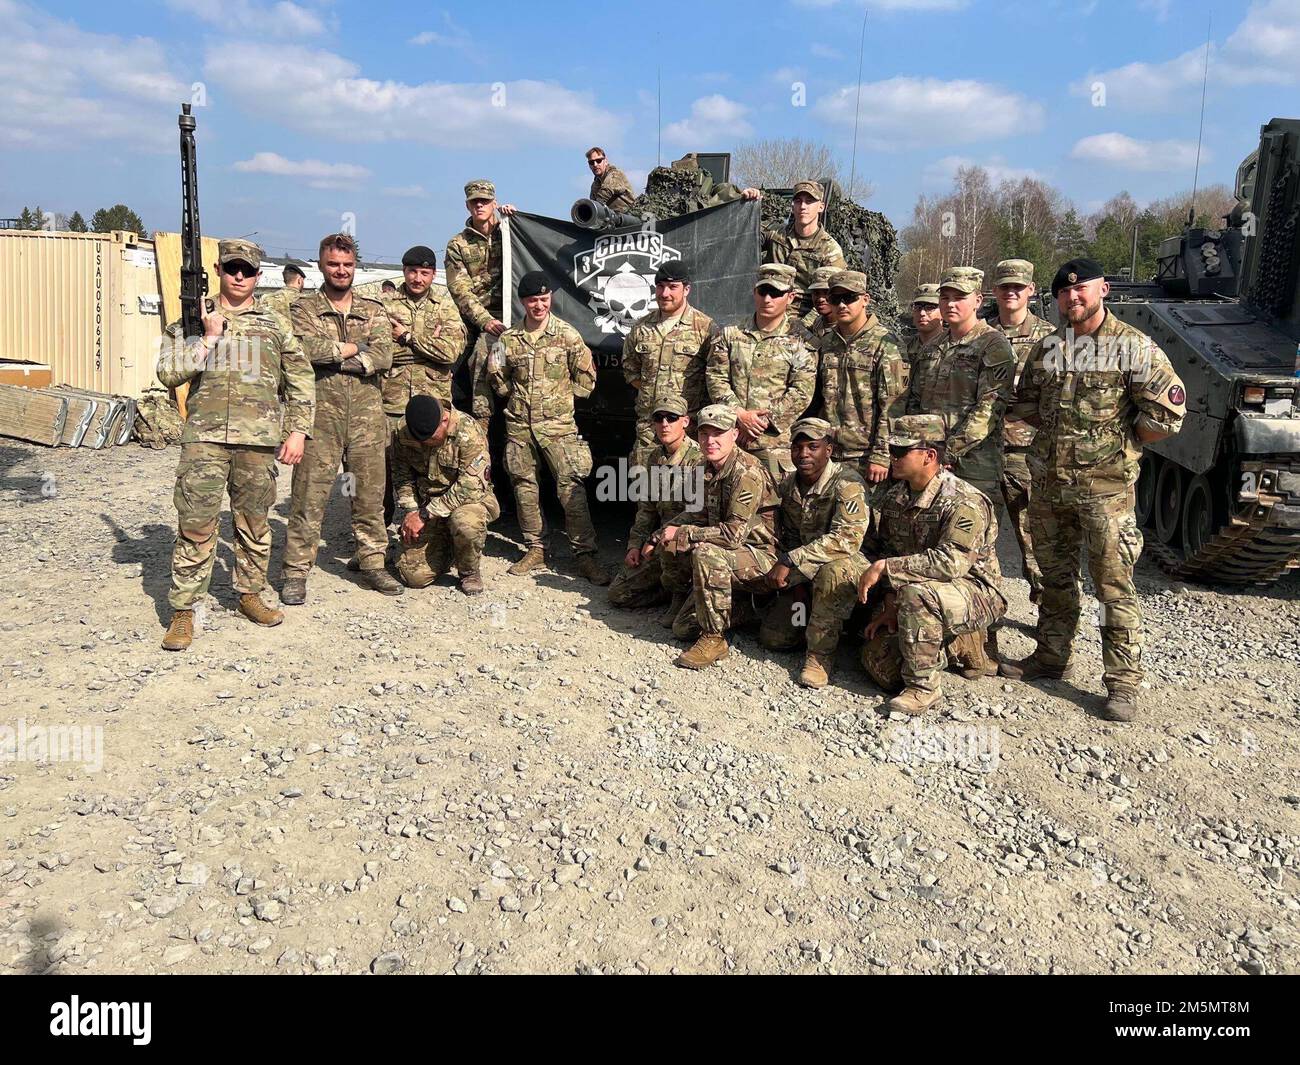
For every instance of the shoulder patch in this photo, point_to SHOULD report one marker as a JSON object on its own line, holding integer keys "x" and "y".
{"x": 965, "y": 525}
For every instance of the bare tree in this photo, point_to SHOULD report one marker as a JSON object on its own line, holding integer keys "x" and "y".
{"x": 780, "y": 162}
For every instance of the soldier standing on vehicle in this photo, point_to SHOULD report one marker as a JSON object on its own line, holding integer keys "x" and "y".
{"x": 803, "y": 242}
{"x": 926, "y": 321}
{"x": 609, "y": 185}
{"x": 1097, "y": 390}
{"x": 349, "y": 341}
{"x": 538, "y": 368}
{"x": 251, "y": 391}
{"x": 766, "y": 370}
{"x": 863, "y": 378}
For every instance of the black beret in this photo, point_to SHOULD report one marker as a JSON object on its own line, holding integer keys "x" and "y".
{"x": 423, "y": 416}
{"x": 420, "y": 256}
{"x": 673, "y": 270}
{"x": 533, "y": 283}
{"x": 1074, "y": 271}
{"x": 293, "y": 268}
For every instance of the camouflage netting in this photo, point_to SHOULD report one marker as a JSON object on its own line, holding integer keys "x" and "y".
{"x": 158, "y": 423}
{"x": 861, "y": 233}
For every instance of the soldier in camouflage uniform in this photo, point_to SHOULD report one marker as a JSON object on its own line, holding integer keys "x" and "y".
{"x": 823, "y": 518}
{"x": 282, "y": 298}
{"x": 443, "y": 480}
{"x": 1096, "y": 390}
{"x": 538, "y": 368}
{"x": 766, "y": 370}
{"x": 803, "y": 242}
{"x": 933, "y": 540}
{"x": 350, "y": 344}
{"x": 666, "y": 352}
{"x": 675, "y": 468}
{"x": 609, "y": 185}
{"x": 926, "y": 322}
{"x": 863, "y": 378}
{"x": 1013, "y": 281}
{"x": 428, "y": 338}
{"x": 239, "y": 371}
{"x": 821, "y": 319}
{"x": 731, "y": 541}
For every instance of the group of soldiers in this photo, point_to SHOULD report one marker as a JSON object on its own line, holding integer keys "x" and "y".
{"x": 839, "y": 466}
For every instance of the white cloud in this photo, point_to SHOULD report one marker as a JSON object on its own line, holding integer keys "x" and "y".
{"x": 905, "y": 112}
{"x": 324, "y": 94}
{"x": 713, "y": 119}
{"x": 412, "y": 192}
{"x": 283, "y": 19}
{"x": 451, "y": 35}
{"x": 1126, "y": 153}
{"x": 941, "y": 172}
{"x": 315, "y": 172}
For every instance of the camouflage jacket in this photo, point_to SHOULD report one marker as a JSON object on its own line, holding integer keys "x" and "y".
{"x": 826, "y": 522}
{"x": 740, "y": 504}
{"x": 864, "y": 386}
{"x": 1018, "y": 434}
{"x": 473, "y": 263}
{"x": 613, "y": 189}
{"x": 752, "y": 369}
{"x": 321, "y": 329}
{"x": 654, "y": 514}
{"x": 814, "y": 323}
{"x": 438, "y": 480}
{"x": 945, "y": 531}
{"x": 805, "y": 254}
{"x": 968, "y": 384}
{"x": 539, "y": 374}
{"x": 424, "y": 364}
{"x": 659, "y": 364}
{"x": 912, "y": 345}
{"x": 282, "y": 300}
{"x": 236, "y": 388}
{"x": 1089, "y": 401}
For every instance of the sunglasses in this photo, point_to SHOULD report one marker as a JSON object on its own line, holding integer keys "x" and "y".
{"x": 897, "y": 451}
{"x": 594, "y": 162}
{"x": 238, "y": 269}
{"x": 841, "y": 298}
{"x": 665, "y": 416}
{"x": 770, "y": 292}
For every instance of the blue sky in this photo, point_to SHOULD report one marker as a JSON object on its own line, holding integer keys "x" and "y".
{"x": 316, "y": 109}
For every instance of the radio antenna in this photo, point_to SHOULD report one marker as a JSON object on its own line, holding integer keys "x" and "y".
{"x": 857, "y": 107}
{"x": 1205, "y": 79}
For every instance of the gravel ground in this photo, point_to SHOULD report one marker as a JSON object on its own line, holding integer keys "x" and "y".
{"x": 524, "y": 782}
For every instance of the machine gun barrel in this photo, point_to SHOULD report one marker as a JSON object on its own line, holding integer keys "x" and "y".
{"x": 194, "y": 279}
{"x": 592, "y": 214}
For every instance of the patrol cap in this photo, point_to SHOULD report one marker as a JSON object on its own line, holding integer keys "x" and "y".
{"x": 533, "y": 283}
{"x": 1013, "y": 272}
{"x": 821, "y": 279}
{"x": 239, "y": 251}
{"x": 965, "y": 279}
{"x": 812, "y": 188}
{"x": 420, "y": 256}
{"x": 480, "y": 189}
{"x": 671, "y": 404}
{"x": 673, "y": 270}
{"x": 1074, "y": 271}
{"x": 423, "y": 416}
{"x": 917, "y": 430}
{"x": 849, "y": 280}
{"x": 777, "y": 275}
{"x": 716, "y": 416}
{"x": 926, "y": 294}
{"x": 293, "y": 269}
{"x": 813, "y": 429}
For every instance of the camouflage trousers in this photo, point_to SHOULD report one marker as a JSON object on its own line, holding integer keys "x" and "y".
{"x": 1107, "y": 528}
{"x": 651, "y": 582}
{"x": 204, "y": 474}
{"x": 788, "y": 622}
{"x": 930, "y": 613}
{"x": 716, "y": 574}
{"x": 569, "y": 460}
{"x": 460, "y": 536}
{"x": 400, "y": 383}
{"x": 350, "y": 428}
{"x": 1016, "y": 482}
{"x": 776, "y": 459}
{"x": 482, "y": 398}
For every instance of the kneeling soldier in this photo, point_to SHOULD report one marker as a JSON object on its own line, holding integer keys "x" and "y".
{"x": 823, "y": 519}
{"x": 730, "y": 541}
{"x": 443, "y": 480}
{"x": 934, "y": 538}
{"x": 647, "y": 581}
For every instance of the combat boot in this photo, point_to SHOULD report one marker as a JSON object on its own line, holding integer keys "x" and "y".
{"x": 970, "y": 655}
{"x": 252, "y": 607}
{"x": 1031, "y": 668}
{"x": 293, "y": 592}
{"x": 667, "y": 618}
{"x": 816, "y": 672}
{"x": 912, "y": 701}
{"x": 381, "y": 581}
{"x": 471, "y": 584}
{"x": 709, "y": 648}
{"x": 534, "y": 558}
{"x": 180, "y": 633}
{"x": 1121, "y": 705}
{"x": 591, "y": 569}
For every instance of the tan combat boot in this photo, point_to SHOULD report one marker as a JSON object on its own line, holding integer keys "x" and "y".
{"x": 912, "y": 701}
{"x": 674, "y": 608}
{"x": 591, "y": 569}
{"x": 1031, "y": 668}
{"x": 1121, "y": 705}
{"x": 534, "y": 558}
{"x": 816, "y": 672}
{"x": 709, "y": 648}
{"x": 252, "y": 607}
{"x": 970, "y": 655}
{"x": 471, "y": 584}
{"x": 180, "y": 633}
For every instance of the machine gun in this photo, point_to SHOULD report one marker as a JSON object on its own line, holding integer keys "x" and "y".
{"x": 194, "y": 279}
{"x": 592, "y": 214}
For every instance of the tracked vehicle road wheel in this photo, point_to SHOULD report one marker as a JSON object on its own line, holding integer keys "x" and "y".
{"x": 1146, "y": 489}
{"x": 1168, "y": 503}
{"x": 1198, "y": 515}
